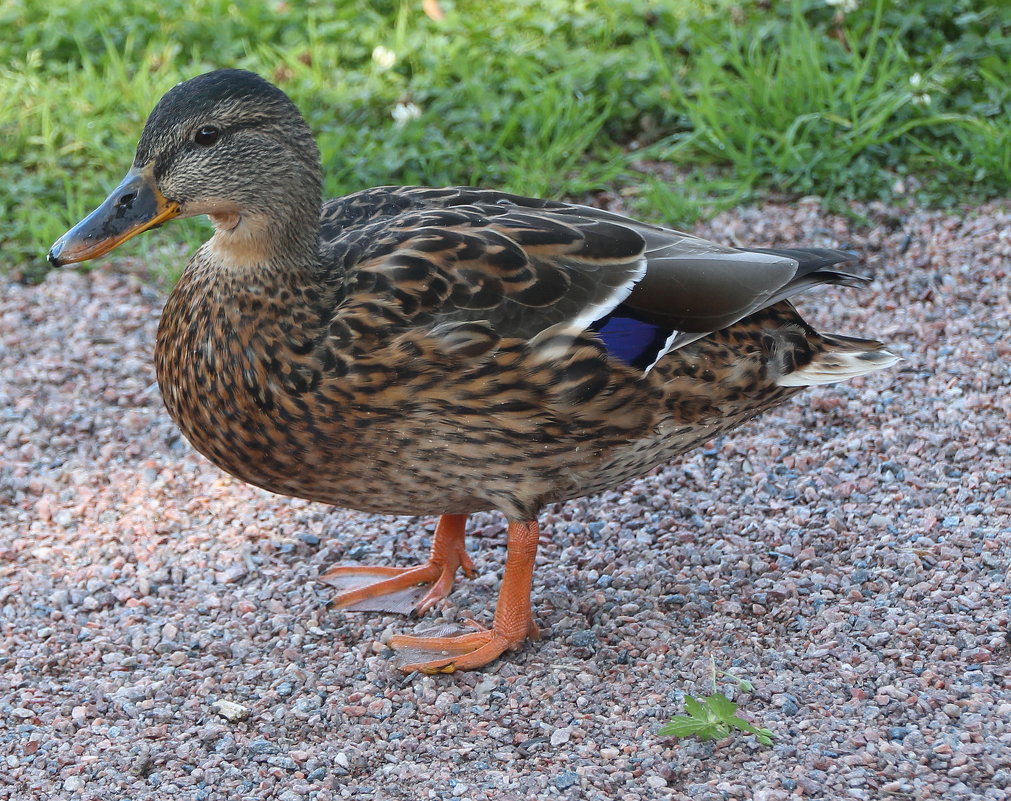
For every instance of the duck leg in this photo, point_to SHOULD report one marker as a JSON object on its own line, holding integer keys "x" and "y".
{"x": 512, "y": 625}
{"x": 394, "y": 589}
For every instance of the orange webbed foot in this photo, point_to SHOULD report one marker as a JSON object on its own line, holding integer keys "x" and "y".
{"x": 512, "y": 626}
{"x": 401, "y": 589}
{"x": 463, "y": 652}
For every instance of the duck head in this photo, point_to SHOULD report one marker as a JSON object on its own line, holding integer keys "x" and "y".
{"x": 227, "y": 144}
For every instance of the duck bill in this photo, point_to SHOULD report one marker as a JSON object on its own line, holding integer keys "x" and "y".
{"x": 134, "y": 206}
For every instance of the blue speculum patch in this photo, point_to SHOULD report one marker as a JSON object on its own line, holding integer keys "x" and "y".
{"x": 632, "y": 341}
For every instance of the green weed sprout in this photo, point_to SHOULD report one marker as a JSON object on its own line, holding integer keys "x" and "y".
{"x": 714, "y": 716}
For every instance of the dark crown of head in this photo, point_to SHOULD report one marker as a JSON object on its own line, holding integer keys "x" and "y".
{"x": 195, "y": 101}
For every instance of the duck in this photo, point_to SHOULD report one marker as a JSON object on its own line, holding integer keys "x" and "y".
{"x": 410, "y": 350}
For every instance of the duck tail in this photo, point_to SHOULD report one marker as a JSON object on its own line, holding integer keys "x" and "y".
{"x": 840, "y": 358}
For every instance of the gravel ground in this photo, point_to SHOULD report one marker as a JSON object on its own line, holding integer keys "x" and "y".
{"x": 848, "y": 554}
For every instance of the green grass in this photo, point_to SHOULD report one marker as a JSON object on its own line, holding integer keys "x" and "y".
{"x": 849, "y": 113}
{"x": 545, "y": 97}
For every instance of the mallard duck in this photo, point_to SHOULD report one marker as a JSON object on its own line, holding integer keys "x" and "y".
{"x": 410, "y": 350}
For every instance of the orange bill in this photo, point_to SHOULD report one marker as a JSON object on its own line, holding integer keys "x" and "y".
{"x": 134, "y": 206}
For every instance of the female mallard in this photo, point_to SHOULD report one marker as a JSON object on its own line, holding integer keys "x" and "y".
{"x": 406, "y": 350}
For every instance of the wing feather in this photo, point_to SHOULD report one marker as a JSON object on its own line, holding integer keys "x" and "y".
{"x": 521, "y": 266}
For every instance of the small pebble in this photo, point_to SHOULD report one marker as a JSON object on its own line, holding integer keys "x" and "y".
{"x": 564, "y": 781}
{"x": 560, "y": 736}
{"x": 230, "y": 710}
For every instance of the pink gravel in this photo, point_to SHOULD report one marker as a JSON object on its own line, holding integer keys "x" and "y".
{"x": 848, "y": 554}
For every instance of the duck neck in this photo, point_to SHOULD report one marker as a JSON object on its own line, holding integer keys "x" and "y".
{"x": 283, "y": 244}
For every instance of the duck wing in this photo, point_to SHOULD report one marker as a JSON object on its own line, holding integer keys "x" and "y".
{"x": 519, "y": 269}
{"x": 520, "y": 266}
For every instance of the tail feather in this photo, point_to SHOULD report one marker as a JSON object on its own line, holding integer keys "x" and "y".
{"x": 842, "y": 358}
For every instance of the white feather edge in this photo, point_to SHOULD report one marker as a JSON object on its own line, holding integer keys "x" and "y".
{"x": 686, "y": 339}
{"x": 834, "y": 366}
{"x": 602, "y": 307}
{"x": 610, "y": 303}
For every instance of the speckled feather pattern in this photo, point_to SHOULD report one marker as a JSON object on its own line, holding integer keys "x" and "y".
{"x": 426, "y": 366}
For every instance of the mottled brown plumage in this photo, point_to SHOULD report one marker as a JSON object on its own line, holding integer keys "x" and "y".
{"x": 407, "y": 350}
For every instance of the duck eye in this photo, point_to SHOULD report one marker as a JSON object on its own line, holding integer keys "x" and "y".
{"x": 206, "y": 135}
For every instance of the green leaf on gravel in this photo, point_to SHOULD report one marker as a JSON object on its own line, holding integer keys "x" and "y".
{"x": 712, "y": 718}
